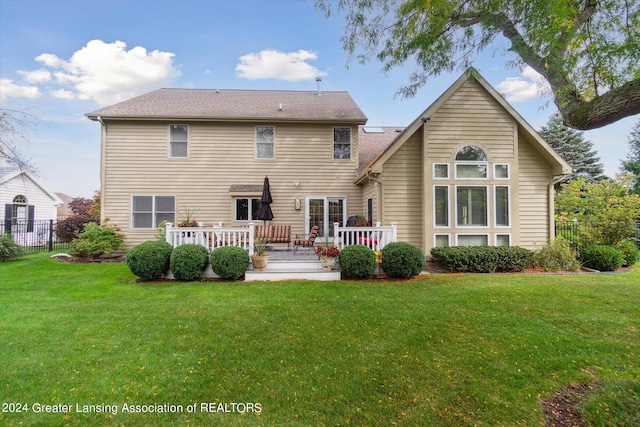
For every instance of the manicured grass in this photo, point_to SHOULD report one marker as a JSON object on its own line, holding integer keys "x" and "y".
{"x": 445, "y": 350}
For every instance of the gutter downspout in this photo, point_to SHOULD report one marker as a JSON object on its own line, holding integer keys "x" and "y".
{"x": 103, "y": 152}
{"x": 552, "y": 210}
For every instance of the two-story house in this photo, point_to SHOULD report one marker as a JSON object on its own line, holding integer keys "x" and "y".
{"x": 469, "y": 170}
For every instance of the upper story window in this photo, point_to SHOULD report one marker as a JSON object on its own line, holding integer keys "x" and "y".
{"x": 471, "y": 163}
{"x": 265, "y": 142}
{"x": 341, "y": 143}
{"x": 178, "y": 141}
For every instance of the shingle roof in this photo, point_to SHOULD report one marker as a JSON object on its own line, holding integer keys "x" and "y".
{"x": 372, "y": 143}
{"x": 237, "y": 105}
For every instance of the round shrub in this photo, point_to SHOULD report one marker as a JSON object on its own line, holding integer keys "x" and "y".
{"x": 229, "y": 262}
{"x": 188, "y": 261}
{"x": 629, "y": 252}
{"x": 601, "y": 257}
{"x": 9, "y": 250}
{"x": 149, "y": 260}
{"x": 402, "y": 260}
{"x": 358, "y": 261}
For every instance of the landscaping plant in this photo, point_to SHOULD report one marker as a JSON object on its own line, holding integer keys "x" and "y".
{"x": 149, "y": 260}
{"x": 601, "y": 257}
{"x": 402, "y": 260}
{"x": 629, "y": 252}
{"x": 9, "y": 250}
{"x": 358, "y": 262}
{"x": 96, "y": 240}
{"x": 188, "y": 261}
{"x": 229, "y": 262}
{"x": 557, "y": 255}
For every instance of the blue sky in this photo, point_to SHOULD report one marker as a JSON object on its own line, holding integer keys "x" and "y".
{"x": 61, "y": 59}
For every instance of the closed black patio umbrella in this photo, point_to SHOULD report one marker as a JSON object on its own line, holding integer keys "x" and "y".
{"x": 265, "y": 213}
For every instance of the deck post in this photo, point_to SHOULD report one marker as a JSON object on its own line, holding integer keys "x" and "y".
{"x": 252, "y": 227}
{"x": 167, "y": 233}
{"x": 394, "y": 231}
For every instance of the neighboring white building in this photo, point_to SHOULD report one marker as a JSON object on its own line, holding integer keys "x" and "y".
{"x": 24, "y": 204}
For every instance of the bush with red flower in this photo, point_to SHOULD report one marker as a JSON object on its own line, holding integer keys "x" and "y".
{"x": 328, "y": 251}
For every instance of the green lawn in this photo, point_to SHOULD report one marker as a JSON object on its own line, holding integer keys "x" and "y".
{"x": 445, "y": 350}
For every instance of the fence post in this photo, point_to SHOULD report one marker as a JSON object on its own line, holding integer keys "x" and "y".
{"x": 394, "y": 231}
{"x": 50, "y": 235}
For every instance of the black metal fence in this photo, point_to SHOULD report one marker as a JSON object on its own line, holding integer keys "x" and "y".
{"x": 34, "y": 236}
{"x": 571, "y": 231}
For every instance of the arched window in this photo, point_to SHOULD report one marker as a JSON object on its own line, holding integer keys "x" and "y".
{"x": 471, "y": 163}
{"x": 19, "y": 212}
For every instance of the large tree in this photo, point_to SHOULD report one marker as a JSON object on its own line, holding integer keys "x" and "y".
{"x": 572, "y": 146}
{"x": 632, "y": 163}
{"x": 588, "y": 50}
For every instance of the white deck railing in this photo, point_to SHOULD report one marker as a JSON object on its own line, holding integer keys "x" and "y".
{"x": 216, "y": 236}
{"x": 375, "y": 238}
{"x": 212, "y": 237}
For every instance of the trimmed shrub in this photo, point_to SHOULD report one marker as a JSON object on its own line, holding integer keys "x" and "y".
{"x": 482, "y": 259}
{"x": 229, "y": 262}
{"x": 513, "y": 258}
{"x": 96, "y": 240}
{"x": 402, "y": 260}
{"x": 149, "y": 260}
{"x": 358, "y": 261}
{"x": 188, "y": 261}
{"x": 556, "y": 256}
{"x": 629, "y": 252}
{"x": 9, "y": 250}
{"x": 602, "y": 257}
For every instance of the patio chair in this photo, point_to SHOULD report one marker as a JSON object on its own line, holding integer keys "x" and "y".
{"x": 308, "y": 242}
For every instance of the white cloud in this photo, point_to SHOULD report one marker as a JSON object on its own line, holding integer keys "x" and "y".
{"x": 106, "y": 72}
{"x": 8, "y": 89}
{"x": 273, "y": 64}
{"x": 528, "y": 85}
{"x": 38, "y": 76}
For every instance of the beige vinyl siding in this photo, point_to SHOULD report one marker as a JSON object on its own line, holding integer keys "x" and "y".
{"x": 471, "y": 117}
{"x": 221, "y": 155}
{"x": 533, "y": 192}
{"x": 402, "y": 191}
{"x": 370, "y": 191}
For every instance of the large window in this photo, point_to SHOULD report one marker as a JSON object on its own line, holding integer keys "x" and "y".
{"x": 149, "y": 211}
{"x": 342, "y": 143}
{"x": 247, "y": 209}
{"x": 471, "y": 206}
{"x": 265, "y": 142}
{"x": 178, "y": 141}
{"x": 19, "y": 212}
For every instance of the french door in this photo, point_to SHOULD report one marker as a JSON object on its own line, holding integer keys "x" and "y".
{"x": 323, "y": 212}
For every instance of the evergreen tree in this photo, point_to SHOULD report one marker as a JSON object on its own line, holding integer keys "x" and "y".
{"x": 632, "y": 164}
{"x": 571, "y": 145}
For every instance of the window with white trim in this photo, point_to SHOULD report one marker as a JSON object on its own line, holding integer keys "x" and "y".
{"x": 471, "y": 163}
{"x": 503, "y": 240}
{"x": 502, "y": 206}
{"x": 441, "y": 240}
{"x": 471, "y": 206}
{"x": 178, "y": 141}
{"x": 440, "y": 171}
{"x": 473, "y": 239}
{"x": 501, "y": 171}
{"x": 265, "y": 142}
{"x": 441, "y": 205}
{"x": 147, "y": 212}
{"x": 247, "y": 208}
{"x": 341, "y": 143}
